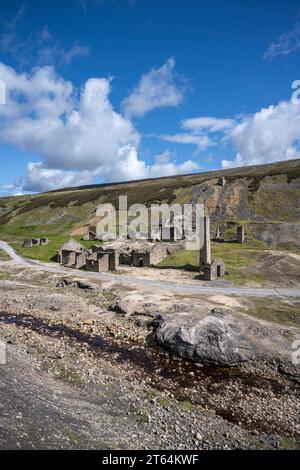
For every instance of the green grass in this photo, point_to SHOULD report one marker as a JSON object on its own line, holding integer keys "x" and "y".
{"x": 69, "y": 375}
{"x": 41, "y": 252}
{"x": 237, "y": 258}
{"x": 186, "y": 406}
{"x": 142, "y": 415}
{"x": 48, "y": 252}
{"x": 5, "y": 276}
{"x": 287, "y": 443}
{"x": 14, "y": 231}
{"x": 286, "y": 313}
{"x": 4, "y": 256}
{"x": 15, "y": 235}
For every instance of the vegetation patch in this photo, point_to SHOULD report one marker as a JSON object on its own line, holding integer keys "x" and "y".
{"x": 4, "y": 256}
{"x": 142, "y": 415}
{"x": 15, "y": 236}
{"x": 69, "y": 375}
{"x": 283, "y": 312}
{"x": 186, "y": 406}
{"x": 238, "y": 260}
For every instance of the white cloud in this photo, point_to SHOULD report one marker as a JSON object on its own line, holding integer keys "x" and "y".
{"x": 210, "y": 124}
{"x": 55, "y": 54}
{"x": 164, "y": 166}
{"x": 199, "y": 132}
{"x": 44, "y": 115}
{"x": 156, "y": 89}
{"x": 164, "y": 157}
{"x": 78, "y": 135}
{"x": 272, "y": 134}
{"x": 286, "y": 43}
{"x": 40, "y": 178}
{"x": 202, "y": 142}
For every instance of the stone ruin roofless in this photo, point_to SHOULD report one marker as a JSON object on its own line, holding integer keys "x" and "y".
{"x": 210, "y": 269}
{"x": 139, "y": 253}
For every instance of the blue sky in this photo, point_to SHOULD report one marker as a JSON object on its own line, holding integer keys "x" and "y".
{"x": 108, "y": 90}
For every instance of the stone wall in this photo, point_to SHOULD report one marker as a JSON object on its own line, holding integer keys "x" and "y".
{"x": 141, "y": 259}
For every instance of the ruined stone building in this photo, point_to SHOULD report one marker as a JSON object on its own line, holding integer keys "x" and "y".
{"x": 141, "y": 259}
{"x": 72, "y": 255}
{"x": 90, "y": 235}
{"x": 210, "y": 269}
{"x": 222, "y": 181}
{"x": 125, "y": 257}
{"x": 27, "y": 243}
{"x": 139, "y": 253}
{"x": 30, "y": 242}
{"x": 101, "y": 261}
{"x": 152, "y": 254}
{"x": 241, "y": 234}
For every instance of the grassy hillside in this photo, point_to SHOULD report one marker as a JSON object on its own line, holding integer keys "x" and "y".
{"x": 254, "y": 196}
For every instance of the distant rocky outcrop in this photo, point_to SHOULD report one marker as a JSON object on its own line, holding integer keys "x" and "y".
{"x": 263, "y": 198}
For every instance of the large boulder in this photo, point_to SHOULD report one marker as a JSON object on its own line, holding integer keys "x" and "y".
{"x": 221, "y": 337}
{"x": 211, "y": 339}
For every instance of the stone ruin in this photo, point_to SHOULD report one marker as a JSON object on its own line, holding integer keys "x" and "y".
{"x": 150, "y": 255}
{"x": 90, "y": 235}
{"x": 101, "y": 261}
{"x": 241, "y": 234}
{"x": 30, "y": 242}
{"x": 211, "y": 270}
{"x": 166, "y": 233}
{"x": 139, "y": 253}
{"x": 27, "y": 243}
{"x": 72, "y": 255}
{"x": 218, "y": 235}
{"x": 222, "y": 181}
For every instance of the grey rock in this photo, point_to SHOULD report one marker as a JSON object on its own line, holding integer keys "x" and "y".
{"x": 221, "y": 337}
{"x": 292, "y": 371}
{"x": 220, "y": 311}
{"x": 209, "y": 339}
{"x": 78, "y": 284}
{"x": 122, "y": 306}
{"x": 133, "y": 304}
